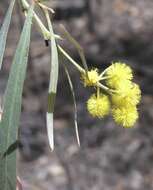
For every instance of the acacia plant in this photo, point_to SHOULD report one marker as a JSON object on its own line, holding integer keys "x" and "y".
{"x": 114, "y": 91}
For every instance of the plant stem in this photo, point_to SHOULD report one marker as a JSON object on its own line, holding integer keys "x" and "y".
{"x": 105, "y": 88}
{"x": 42, "y": 27}
{"x": 47, "y": 36}
{"x": 80, "y": 69}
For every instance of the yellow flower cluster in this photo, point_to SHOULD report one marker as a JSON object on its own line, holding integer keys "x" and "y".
{"x": 125, "y": 116}
{"x": 117, "y": 73}
{"x": 98, "y": 106}
{"x": 123, "y": 99}
{"x": 91, "y": 78}
{"x": 127, "y": 95}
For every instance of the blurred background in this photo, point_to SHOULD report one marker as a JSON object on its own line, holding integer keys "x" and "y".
{"x": 110, "y": 157}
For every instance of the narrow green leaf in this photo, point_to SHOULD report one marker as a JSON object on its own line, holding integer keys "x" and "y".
{"x": 74, "y": 102}
{"x": 12, "y": 108}
{"x": 78, "y": 47}
{"x": 52, "y": 84}
{"x": 4, "y": 31}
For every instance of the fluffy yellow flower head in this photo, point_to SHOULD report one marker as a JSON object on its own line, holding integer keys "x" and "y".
{"x": 129, "y": 94}
{"x": 118, "y": 72}
{"x": 125, "y": 116}
{"x": 92, "y": 79}
{"x": 98, "y": 106}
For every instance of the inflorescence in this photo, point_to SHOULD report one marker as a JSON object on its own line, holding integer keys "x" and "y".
{"x": 117, "y": 95}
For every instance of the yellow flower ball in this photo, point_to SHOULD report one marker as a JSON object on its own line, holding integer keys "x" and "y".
{"x": 125, "y": 116}
{"x": 124, "y": 86}
{"x": 98, "y": 106}
{"x": 118, "y": 72}
{"x": 92, "y": 79}
{"x": 129, "y": 94}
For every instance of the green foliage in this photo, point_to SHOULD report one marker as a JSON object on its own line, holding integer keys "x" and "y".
{"x": 75, "y": 105}
{"x": 77, "y": 46}
{"x": 4, "y": 31}
{"x": 12, "y": 109}
{"x": 52, "y": 84}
